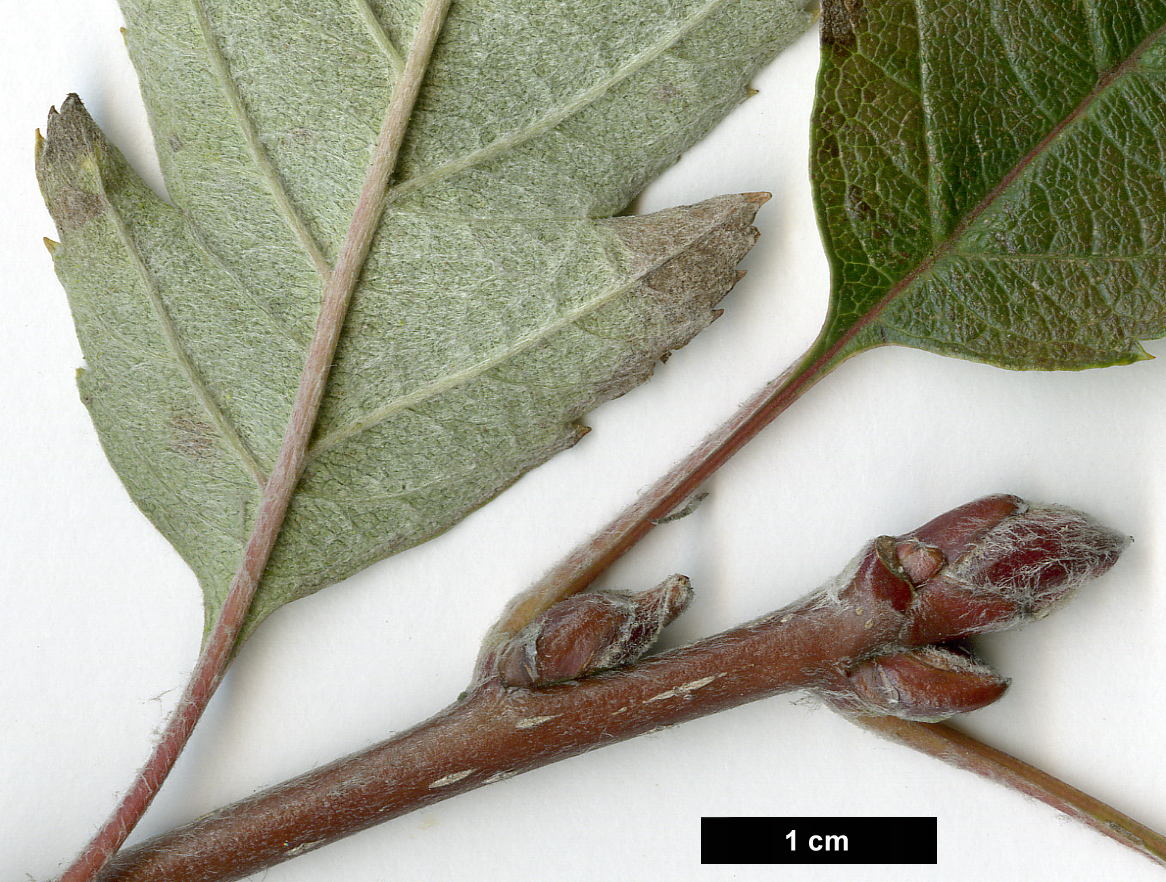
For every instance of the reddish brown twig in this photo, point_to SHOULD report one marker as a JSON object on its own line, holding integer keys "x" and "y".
{"x": 984, "y": 566}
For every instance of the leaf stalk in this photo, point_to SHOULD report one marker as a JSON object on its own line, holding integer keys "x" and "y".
{"x": 950, "y": 745}
{"x": 589, "y": 560}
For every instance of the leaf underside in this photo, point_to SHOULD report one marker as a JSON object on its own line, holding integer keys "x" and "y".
{"x": 990, "y": 178}
{"x": 502, "y": 298}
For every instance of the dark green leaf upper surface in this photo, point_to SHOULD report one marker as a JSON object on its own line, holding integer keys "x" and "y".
{"x": 990, "y": 178}
{"x": 501, "y": 299}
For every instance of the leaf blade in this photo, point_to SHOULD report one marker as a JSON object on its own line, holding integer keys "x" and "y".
{"x": 463, "y": 312}
{"x": 971, "y": 239}
{"x": 526, "y": 401}
{"x": 184, "y": 475}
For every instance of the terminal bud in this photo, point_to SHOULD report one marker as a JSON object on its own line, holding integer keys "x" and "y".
{"x": 992, "y": 564}
{"x": 1009, "y": 562}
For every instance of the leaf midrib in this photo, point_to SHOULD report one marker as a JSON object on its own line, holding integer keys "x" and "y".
{"x": 546, "y": 123}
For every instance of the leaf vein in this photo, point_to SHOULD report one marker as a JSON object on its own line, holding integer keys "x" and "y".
{"x": 951, "y": 243}
{"x": 1019, "y": 76}
{"x": 381, "y": 37}
{"x": 928, "y": 107}
{"x": 516, "y": 347}
{"x": 277, "y": 325}
{"x": 451, "y": 381}
{"x": 1126, "y": 154}
{"x": 263, "y": 163}
{"x": 185, "y": 365}
{"x": 551, "y": 120}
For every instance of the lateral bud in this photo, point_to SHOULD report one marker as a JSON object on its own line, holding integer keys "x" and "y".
{"x": 590, "y": 632}
{"x": 927, "y": 684}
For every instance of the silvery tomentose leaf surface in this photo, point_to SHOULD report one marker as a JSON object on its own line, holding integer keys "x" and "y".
{"x": 501, "y": 300}
{"x": 991, "y": 179}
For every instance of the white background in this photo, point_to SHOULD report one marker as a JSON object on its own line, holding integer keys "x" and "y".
{"x": 101, "y": 620}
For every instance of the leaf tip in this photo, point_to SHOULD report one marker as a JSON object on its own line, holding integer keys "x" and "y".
{"x": 70, "y": 127}
{"x": 70, "y": 158}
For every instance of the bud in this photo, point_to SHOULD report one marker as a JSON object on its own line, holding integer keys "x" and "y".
{"x": 927, "y": 684}
{"x": 1009, "y": 562}
{"x": 591, "y": 632}
{"x": 957, "y": 531}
